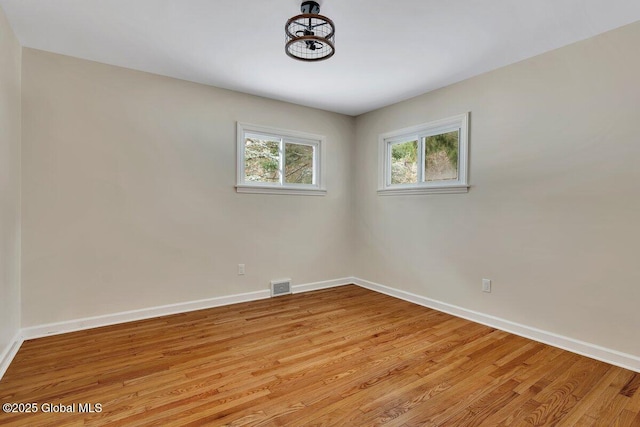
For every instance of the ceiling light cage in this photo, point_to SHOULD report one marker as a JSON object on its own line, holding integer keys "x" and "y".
{"x": 310, "y": 36}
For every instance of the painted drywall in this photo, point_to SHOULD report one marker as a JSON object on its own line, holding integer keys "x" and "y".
{"x": 10, "y": 62}
{"x": 552, "y": 214}
{"x": 129, "y": 199}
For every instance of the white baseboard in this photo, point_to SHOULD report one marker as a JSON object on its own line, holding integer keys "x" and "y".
{"x": 593, "y": 351}
{"x": 147, "y": 313}
{"x": 9, "y": 352}
{"x": 296, "y": 289}
{"x": 141, "y": 314}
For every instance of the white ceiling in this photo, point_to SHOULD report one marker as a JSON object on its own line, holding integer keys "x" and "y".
{"x": 386, "y": 51}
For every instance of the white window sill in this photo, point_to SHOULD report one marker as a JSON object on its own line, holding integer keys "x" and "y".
{"x": 294, "y": 191}
{"x": 441, "y": 189}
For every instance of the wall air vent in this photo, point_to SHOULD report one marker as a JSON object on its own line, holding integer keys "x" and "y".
{"x": 280, "y": 287}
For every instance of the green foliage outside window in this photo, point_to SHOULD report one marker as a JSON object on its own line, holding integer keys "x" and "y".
{"x": 298, "y": 164}
{"x": 262, "y": 162}
{"x": 441, "y": 156}
{"x": 404, "y": 162}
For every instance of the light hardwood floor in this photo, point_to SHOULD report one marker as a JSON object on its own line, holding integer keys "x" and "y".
{"x": 344, "y": 356}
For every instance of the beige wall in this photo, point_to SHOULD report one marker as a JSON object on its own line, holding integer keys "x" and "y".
{"x": 129, "y": 201}
{"x": 129, "y": 198}
{"x": 10, "y": 52}
{"x": 553, "y": 213}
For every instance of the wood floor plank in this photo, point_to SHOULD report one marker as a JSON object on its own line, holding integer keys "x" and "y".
{"x": 611, "y": 402}
{"x": 591, "y": 398}
{"x": 345, "y": 356}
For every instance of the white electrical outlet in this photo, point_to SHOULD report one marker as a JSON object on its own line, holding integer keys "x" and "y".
{"x": 240, "y": 269}
{"x": 486, "y": 285}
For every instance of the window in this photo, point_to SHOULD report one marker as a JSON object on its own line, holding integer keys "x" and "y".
{"x": 424, "y": 159}
{"x": 278, "y": 161}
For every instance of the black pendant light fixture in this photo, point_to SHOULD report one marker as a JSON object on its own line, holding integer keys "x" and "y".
{"x": 310, "y": 36}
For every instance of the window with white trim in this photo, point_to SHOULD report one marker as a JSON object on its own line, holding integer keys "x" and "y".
{"x": 428, "y": 158}
{"x": 278, "y": 161}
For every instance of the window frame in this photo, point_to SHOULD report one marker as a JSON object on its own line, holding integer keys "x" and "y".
{"x": 458, "y": 123}
{"x": 285, "y": 136}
